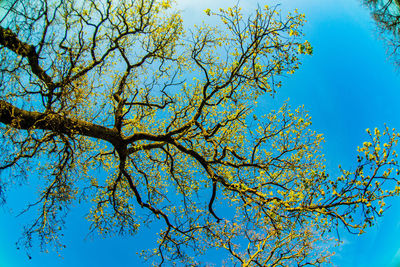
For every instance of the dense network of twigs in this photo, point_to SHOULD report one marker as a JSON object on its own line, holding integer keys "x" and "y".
{"x": 167, "y": 117}
{"x": 386, "y": 13}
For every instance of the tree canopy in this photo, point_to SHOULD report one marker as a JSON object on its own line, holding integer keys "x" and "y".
{"x": 386, "y": 13}
{"x": 168, "y": 117}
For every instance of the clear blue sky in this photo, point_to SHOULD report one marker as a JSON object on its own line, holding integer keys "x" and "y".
{"x": 348, "y": 85}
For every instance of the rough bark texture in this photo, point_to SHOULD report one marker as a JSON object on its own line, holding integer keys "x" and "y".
{"x": 23, "y": 119}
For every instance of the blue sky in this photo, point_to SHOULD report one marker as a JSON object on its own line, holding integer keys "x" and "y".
{"x": 348, "y": 85}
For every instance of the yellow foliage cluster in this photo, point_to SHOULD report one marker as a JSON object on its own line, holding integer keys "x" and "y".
{"x": 167, "y": 119}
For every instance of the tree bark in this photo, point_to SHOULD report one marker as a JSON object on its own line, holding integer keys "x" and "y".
{"x": 23, "y": 119}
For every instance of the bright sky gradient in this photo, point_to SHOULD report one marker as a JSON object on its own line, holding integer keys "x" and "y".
{"x": 348, "y": 85}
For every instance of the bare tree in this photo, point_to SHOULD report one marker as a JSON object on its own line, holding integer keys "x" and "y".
{"x": 386, "y": 13}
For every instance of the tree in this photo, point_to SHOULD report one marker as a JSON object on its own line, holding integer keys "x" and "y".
{"x": 386, "y": 13}
{"x": 168, "y": 118}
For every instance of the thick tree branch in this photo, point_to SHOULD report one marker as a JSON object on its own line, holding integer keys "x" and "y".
{"x": 23, "y": 119}
{"x": 10, "y": 40}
